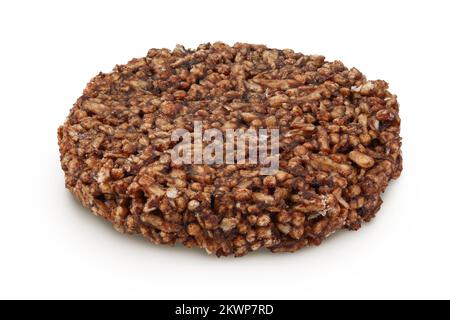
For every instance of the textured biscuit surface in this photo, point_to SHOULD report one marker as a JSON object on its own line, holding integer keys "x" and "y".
{"x": 339, "y": 147}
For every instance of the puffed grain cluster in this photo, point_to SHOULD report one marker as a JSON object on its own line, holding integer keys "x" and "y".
{"x": 339, "y": 148}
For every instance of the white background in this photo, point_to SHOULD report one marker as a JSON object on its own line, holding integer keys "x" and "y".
{"x": 50, "y": 247}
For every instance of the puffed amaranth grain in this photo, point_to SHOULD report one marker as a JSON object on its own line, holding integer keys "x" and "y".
{"x": 340, "y": 145}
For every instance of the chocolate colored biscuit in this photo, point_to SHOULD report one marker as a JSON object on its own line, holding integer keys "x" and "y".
{"x": 339, "y": 147}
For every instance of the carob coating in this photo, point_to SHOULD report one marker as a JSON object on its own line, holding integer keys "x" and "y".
{"x": 339, "y": 147}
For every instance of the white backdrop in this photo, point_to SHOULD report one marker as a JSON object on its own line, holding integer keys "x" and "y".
{"x": 50, "y": 247}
